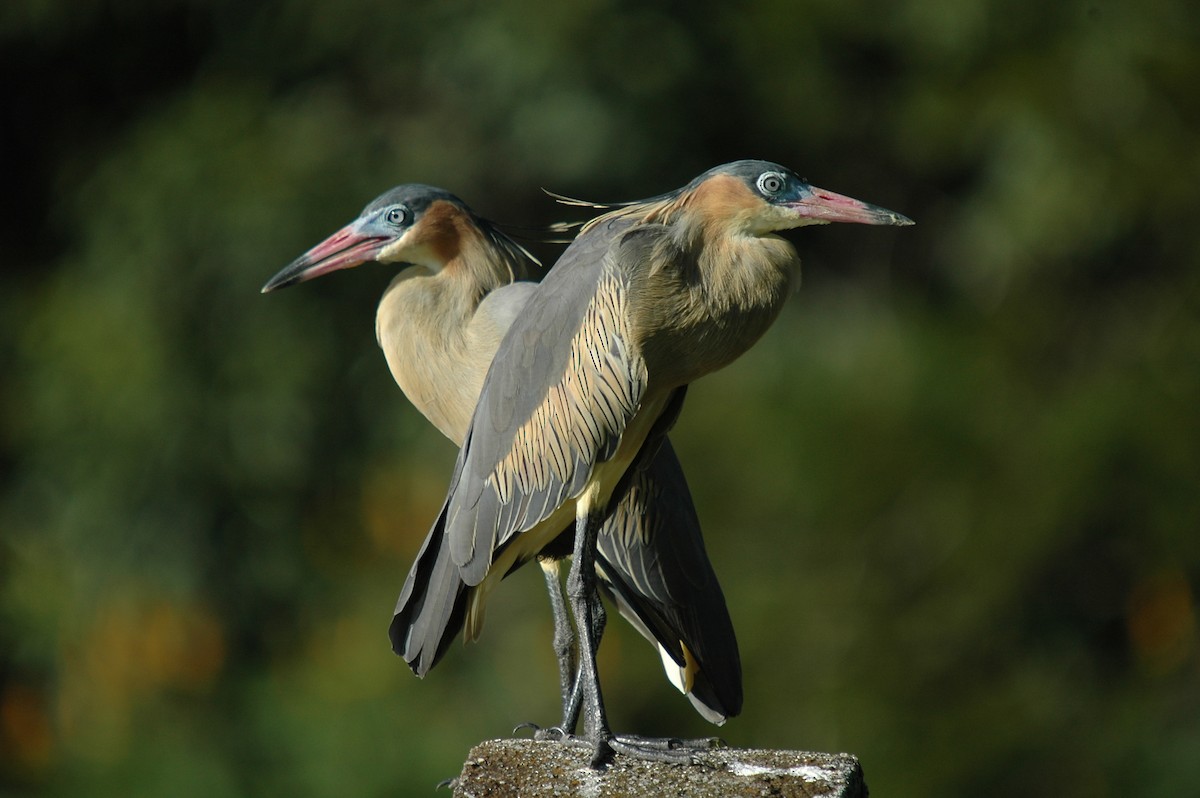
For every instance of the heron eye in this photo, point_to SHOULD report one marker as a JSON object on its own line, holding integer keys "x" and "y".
{"x": 396, "y": 216}
{"x": 771, "y": 182}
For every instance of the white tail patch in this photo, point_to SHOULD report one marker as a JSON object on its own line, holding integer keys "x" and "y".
{"x": 682, "y": 677}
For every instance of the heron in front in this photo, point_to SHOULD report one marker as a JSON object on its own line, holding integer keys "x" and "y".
{"x": 586, "y": 382}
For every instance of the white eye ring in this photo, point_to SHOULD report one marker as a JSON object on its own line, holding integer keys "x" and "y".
{"x": 771, "y": 182}
{"x": 396, "y": 216}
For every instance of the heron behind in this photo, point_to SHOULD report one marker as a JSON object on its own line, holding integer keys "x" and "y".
{"x": 461, "y": 285}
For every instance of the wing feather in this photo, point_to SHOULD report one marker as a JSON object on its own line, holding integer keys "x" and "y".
{"x": 663, "y": 582}
{"x": 564, "y": 385}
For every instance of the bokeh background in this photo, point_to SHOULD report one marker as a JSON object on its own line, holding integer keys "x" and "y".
{"x": 953, "y": 495}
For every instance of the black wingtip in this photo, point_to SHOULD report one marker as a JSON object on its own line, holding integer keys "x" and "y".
{"x": 432, "y": 604}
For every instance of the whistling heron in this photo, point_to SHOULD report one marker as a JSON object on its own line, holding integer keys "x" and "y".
{"x": 461, "y": 285}
{"x": 587, "y": 381}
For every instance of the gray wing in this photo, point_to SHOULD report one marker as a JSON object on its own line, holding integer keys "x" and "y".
{"x": 656, "y": 568}
{"x": 563, "y": 386}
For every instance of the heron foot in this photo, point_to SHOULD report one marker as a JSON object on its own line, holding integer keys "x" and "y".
{"x": 670, "y": 750}
{"x": 649, "y": 750}
{"x": 644, "y": 748}
{"x": 673, "y": 743}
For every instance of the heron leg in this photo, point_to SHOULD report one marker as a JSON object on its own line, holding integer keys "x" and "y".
{"x": 564, "y": 644}
{"x": 589, "y": 619}
{"x": 572, "y": 706}
{"x": 581, "y": 587}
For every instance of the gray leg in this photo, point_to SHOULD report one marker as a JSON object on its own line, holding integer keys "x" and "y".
{"x": 564, "y": 644}
{"x": 581, "y": 587}
{"x": 571, "y": 708}
{"x": 589, "y": 619}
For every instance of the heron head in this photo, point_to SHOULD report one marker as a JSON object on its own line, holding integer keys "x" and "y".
{"x": 769, "y": 197}
{"x": 412, "y": 223}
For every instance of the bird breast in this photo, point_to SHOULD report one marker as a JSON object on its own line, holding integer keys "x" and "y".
{"x": 696, "y": 313}
{"x": 429, "y": 339}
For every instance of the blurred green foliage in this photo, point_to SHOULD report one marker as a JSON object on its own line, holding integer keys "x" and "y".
{"x": 953, "y": 496}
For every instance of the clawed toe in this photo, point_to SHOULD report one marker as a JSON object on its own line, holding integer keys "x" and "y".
{"x": 555, "y": 734}
{"x": 667, "y": 750}
{"x": 672, "y": 743}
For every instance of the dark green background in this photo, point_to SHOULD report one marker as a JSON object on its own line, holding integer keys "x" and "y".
{"x": 953, "y": 495}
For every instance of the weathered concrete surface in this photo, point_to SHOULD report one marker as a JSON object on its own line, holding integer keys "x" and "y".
{"x": 533, "y": 769}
